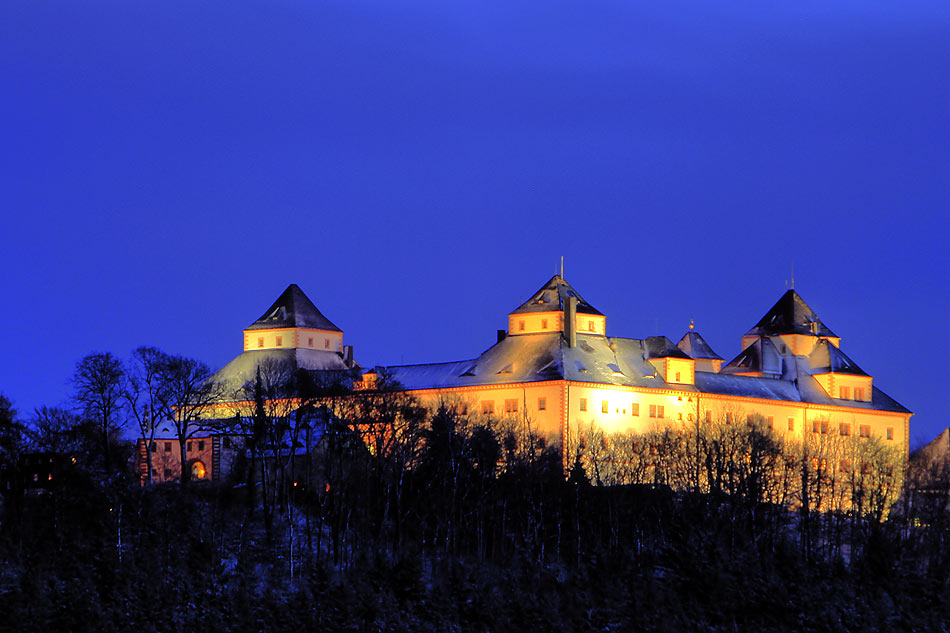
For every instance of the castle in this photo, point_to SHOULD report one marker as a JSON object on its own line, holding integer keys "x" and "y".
{"x": 556, "y": 368}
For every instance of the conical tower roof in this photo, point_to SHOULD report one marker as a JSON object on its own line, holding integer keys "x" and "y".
{"x": 552, "y": 297}
{"x": 790, "y": 315}
{"x": 293, "y": 309}
{"x": 696, "y": 346}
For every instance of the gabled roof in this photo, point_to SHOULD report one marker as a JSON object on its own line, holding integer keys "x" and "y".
{"x": 696, "y": 347}
{"x": 827, "y": 357}
{"x": 235, "y": 375}
{"x": 293, "y": 309}
{"x": 760, "y": 356}
{"x": 552, "y": 296}
{"x": 790, "y": 315}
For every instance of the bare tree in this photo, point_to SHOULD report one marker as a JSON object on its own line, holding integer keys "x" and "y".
{"x": 100, "y": 381}
{"x": 145, "y": 393}
{"x": 186, "y": 394}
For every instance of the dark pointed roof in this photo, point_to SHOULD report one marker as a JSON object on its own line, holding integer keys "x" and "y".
{"x": 662, "y": 347}
{"x": 696, "y": 347}
{"x": 790, "y": 315}
{"x": 293, "y": 309}
{"x": 827, "y": 357}
{"x": 551, "y": 297}
{"x": 760, "y": 356}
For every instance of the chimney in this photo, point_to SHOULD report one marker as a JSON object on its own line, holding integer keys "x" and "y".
{"x": 570, "y": 329}
{"x": 502, "y": 334}
{"x": 348, "y": 355}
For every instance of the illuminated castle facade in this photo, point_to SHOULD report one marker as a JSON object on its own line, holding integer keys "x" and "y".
{"x": 556, "y": 367}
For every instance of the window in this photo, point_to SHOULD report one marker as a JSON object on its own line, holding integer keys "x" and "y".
{"x": 488, "y": 407}
{"x": 844, "y": 429}
{"x": 201, "y": 445}
{"x": 635, "y": 409}
{"x": 583, "y": 404}
{"x": 845, "y": 465}
{"x": 326, "y": 343}
{"x": 521, "y": 326}
{"x": 542, "y": 404}
{"x": 652, "y": 410}
{"x": 310, "y": 342}
{"x": 864, "y": 430}
{"x": 708, "y": 417}
{"x": 168, "y": 447}
{"x": 154, "y": 447}
{"x": 791, "y": 424}
{"x": 168, "y": 473}
{"x": 260, "y": 342}
{"x": 280, "y": 341}
{"x": 844, "y": 393}
{"x": 814, "y": 426}
{"x": 771, "y": 422}
{"x": 604, "y": 406}
{"x": 189, "y": 446}
{"x": 227, "y": 442}
{"x": 824, "y": 428}
{"x": 677, "y": 379}
{"x": 729, "y": 418}
{"x": 679, "y": 416}
{"x": 544, "y": 324}
{"x": 511, "y": 405}
{"x": 890, "y": 433}
{"x": 859, "y": 393}
{"x": 659, "y": 410}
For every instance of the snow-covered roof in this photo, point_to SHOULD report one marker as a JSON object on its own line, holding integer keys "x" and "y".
{"x": 240, "y": 371}
{"x": 696, "y": 346}
{"x": 790, "y": 315}
{"x": 552, "y": 297}
{"x": 293, "y": 309}
{"x": 829, "y": 358}
{"x": 759, "y": 356}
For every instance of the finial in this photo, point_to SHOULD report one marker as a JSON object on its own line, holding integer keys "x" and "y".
{"x": 562, "y": 266}
{"x": 691, "y": 324}
{"x": 793, "y": 275}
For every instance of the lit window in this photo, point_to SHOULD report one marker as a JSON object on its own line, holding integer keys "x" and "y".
{"x": 844, "y": 429}
{"x": 280, "y": 341}
{"x": 511, "y": 406}
{"x": 198, "y": 471}
{"x": 814, "y": 427}
{"x": 521, "y": 326}
{"x": 583, "y": 404}
{"x": 542, "y": 404}
{"x": 679, "y": 417}
{"x": 488, "y": 407}
{"x": 824, "y": 428}
{"x": 604, "y": 407}
{"x": 864, "y": 430}
{"x": 677, "y": 379}
{"x": 890, "y": 433}
{"x": 791, "y": 424}
{"x": 659, "y": 410}
{"x": 844, "y": 393}
{"x": 260, "y": 342}
{"x": 544, "y": 324}
{"x": 590, "y": 326}
{"x": 859, "y": 393}
{"x": 771, "y": 422}
{"x": 635, "y": 409}
{"x": 652, "y": 410}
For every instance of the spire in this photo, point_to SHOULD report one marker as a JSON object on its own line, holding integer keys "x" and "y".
{"x": 293, "y": 309}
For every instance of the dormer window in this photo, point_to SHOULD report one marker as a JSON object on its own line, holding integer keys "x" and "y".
{"x": 260, "y": 341}
{"x": 590, "y": 326}
{"x": 310, "y": 342}
{"x": 280, "y": 341}
{"x": 326, "y": 343}
{"x": 844, "y": 393}
{"x": 521, "y": 326}
{"x": 544, "y": 324}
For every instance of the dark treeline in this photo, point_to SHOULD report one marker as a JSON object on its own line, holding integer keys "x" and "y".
{"x": 392, "y": 517}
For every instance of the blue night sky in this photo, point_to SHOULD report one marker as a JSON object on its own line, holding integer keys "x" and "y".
{"x": 418, "y": 168}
